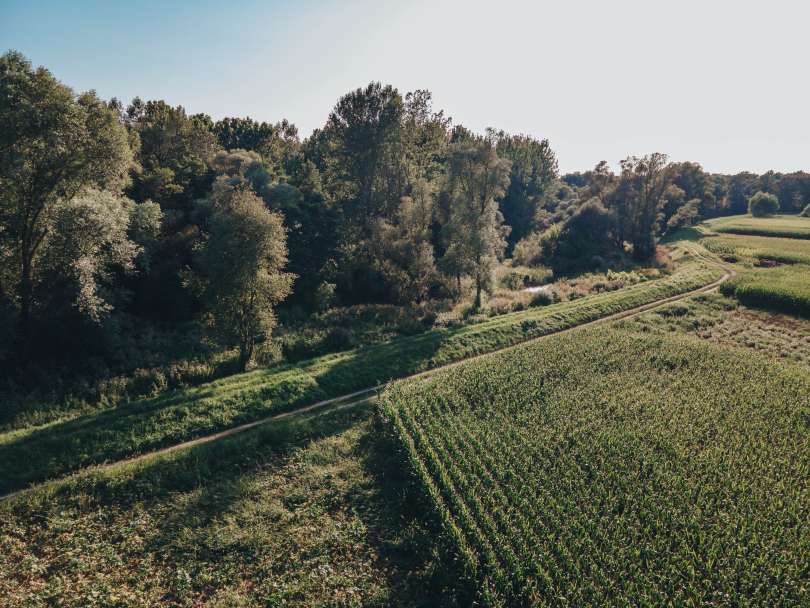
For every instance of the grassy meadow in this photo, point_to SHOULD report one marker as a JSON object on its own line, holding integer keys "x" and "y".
{"x": 615, "y": 467}
{"x": 723, "y": 320}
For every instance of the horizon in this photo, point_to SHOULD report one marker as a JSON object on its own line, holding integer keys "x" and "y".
{"x": 286, "y": 60}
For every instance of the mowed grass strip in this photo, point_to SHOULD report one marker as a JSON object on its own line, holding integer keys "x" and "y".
{"x": 32, "y": 455}
{"x": 785, "y": 289}
{"x": 788, "y": 251}
{"x": 789, "y": 226}
{"x": 608, "y": 467}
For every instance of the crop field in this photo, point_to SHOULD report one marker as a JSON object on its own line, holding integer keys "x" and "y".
{"x": 786, "y": 250}
{"x": 786, "y": 288}
{"x": 613, "y": 467}
{"x": 34, "y": 454}
{"x": 725, "y": 321}
{"x": 789, "y": 226}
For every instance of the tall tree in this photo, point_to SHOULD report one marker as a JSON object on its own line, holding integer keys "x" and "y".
{"x": 637, "y": 200}
{"x": 175, "y": 154}
{"x": 475, "y": 234}
{"x": 363, "y": 129}
{"x": 533, "y": 171}
{"x": 53, "y": 145}
{"x": 242, "y": 266}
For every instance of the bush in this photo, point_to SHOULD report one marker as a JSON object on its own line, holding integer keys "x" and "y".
{"x": 339, "y": 338}
{"x": 528, "y": 250}
{"x": 763, "y": 204}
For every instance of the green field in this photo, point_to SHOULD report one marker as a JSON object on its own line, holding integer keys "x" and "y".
{"x": 786, "y": 250}
{"x": 790, "y": 226}
{"x": 35, "y": 454}
{"x": 725, "y": 321}
{"x": 785, "y": 289}
{"x": 612, "y": 467}
{"x": 301, "y": 513}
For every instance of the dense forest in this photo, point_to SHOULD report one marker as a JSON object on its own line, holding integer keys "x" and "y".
{"x": 135, "y": 236}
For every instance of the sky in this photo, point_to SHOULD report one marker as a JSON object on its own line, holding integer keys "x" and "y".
{"x": 718, "y": 82}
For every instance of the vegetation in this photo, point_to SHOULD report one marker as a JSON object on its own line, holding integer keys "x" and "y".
{"x": 788, "y": 251}
{"x": 646, "y": 456}
{"x": 724, "y": 321}
{"x": 786, "y": 289}
{"x": 299, "y": 513}
{"x": 34, "y": 454}
{"x": 763, "y": 204}
{"x": 244, "y": 257}
{"x": 786, "y": 226}
{"x": 111, "y": 274}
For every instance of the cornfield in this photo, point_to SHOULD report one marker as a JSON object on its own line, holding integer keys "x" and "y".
{"x": 789, "y": 251}
{"x": 607, "y": 467}
{"x": 786, "y": 288}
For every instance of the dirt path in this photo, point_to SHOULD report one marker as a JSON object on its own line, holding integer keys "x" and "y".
{"x": 369, "y": 394}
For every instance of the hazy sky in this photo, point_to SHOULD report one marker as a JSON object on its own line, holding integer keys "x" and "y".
{"x": 720, "y": 82}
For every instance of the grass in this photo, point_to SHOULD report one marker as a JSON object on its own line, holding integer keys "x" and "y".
{"x": 300, "y": 513}
{"x": 785, "y": 289}
{"x": 35, "y": 454}
{"x": 724, "y": 321}
{"x": 789, "y": 226}
{"x": 786, "y": 250}
{"x": 611, "y": 467}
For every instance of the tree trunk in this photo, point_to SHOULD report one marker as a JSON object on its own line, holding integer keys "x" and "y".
{"x": 477, "y": 291}
{"x": 245, "y": 353}
{"x": 26, "y": 300}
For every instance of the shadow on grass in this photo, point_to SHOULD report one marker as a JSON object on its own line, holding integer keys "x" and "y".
{"x": 208, "y": 502}
{"x": 139, "y": 427}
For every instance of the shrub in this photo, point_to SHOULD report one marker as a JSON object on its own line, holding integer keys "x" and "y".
{"x": 528, "y": 250}
{"x": 763, "y": 204}
{"x": 339, "y": 338}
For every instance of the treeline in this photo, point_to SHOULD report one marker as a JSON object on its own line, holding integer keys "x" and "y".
{"x": 116, "y": 215}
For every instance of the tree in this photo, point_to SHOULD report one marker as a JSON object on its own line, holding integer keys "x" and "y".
{"x": 532, "y": 173}
{"x": 637, "y": 200}
{"x": 403, "y": 249}
{"x": 53, "y": 146}
{"x": 763, "y": 204}
{"x": 362, "y": 129}
{"x": 581, "y": 241}
{"x": 90, "y": 238}
{"x": 242, "y": 270}
{"x": 175, "y": 154}
{"x": 475, "y": 235}
{"x": 697, "y": 185}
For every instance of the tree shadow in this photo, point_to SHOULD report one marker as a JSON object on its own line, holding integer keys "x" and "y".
{"x": 419, "y": 546}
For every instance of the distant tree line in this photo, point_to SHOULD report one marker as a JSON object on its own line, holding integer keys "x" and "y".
{"x": 111, "y": 213}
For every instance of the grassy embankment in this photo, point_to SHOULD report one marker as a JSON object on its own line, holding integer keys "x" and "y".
{"x": 36, "y": 454}
{"x": 609, "y": 467}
